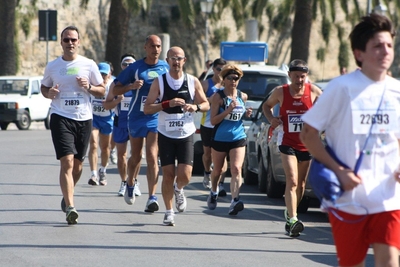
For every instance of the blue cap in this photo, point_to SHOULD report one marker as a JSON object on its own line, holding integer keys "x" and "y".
{"x": 104, "y": 68}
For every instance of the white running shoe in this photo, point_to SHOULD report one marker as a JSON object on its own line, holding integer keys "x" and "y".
{"x": 169, "y": 219}
{"x": 129, "y": 196}
{"x": 180, "y": 200}
{"x": 152, "y": 204}
{"x": 102, "y": 178}
{"x": 136, "y": 191}
{"x": 122, "y": 189}
{"x": 113, "y": 156}
{"x": 93, "y": 180}
{"x": 207, "y": 181}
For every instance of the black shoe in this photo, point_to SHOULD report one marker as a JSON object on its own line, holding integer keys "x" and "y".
{"x": 222, "y": 192}
{"x": 296, "y": 228}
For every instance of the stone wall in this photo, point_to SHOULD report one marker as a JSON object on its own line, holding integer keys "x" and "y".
{"x": 92, "y": 23}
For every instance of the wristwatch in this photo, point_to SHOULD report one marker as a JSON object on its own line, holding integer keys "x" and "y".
{"x": 90, "y": 87}
{"x": 198, "y": 108}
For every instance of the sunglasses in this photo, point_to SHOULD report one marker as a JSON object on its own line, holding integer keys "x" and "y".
{"x": 232, "y": 78}
{"x": 176, "y": 58}
{"x": 218, "y": 69}
{"x": 67, "y": 40}
{"x": 125, "y": 64}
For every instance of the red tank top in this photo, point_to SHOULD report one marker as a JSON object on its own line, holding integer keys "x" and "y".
{"x": 291, "y": 111}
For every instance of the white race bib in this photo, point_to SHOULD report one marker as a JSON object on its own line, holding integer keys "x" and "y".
{"x": 364, "y": 113}
{"x": 71, "y": 101}
{"x": 177, "y": 121}
{"x": 295, "y": 123}
{"x": 125, "y": 103}
{"x": 98, "y": 109}
{"x": 236, "y": 114}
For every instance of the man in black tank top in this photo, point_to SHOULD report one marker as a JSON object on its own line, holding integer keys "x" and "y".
{"x": 175, "y": 95}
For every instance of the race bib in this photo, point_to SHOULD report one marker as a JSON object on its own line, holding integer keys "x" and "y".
{"x": 364, "y": 113}
{"x": 177, "y": 121}
{"x": 236, "y": 114}
{"x": 98, "y": 109}
{"x": 71, "y": 101}
{"x": 295, "y": 123}
{"x": 125, "y": 103}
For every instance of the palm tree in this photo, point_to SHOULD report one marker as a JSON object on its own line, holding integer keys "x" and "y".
{"x": 8, "y": 59}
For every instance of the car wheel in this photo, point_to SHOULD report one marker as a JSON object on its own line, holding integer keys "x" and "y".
{"x": 249, "y": 177}
{"x": 4, "y": 125}
{"x": 274, "y": 189}
{"x": 303, "y": 205}
{"x": 25, "y": 122}
{"x": 47, "y": 121}
{"x": 262, "y": 176}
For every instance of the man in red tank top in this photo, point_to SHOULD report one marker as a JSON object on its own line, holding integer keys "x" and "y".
{"x": 294, "y": 100}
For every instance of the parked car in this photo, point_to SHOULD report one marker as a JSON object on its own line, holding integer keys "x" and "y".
{"x": 22, "y": 102}
{"x": 263, "y": 164}
{"x": 257, "y": 82}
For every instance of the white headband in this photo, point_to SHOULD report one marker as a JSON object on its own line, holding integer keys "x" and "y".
{"x": 128, "y": 57}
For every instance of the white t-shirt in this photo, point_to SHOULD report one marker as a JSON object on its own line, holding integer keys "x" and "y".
{"x": 344, "y": 111}
{"x": 73, "y": 101}
{"x": 185, "y": 118}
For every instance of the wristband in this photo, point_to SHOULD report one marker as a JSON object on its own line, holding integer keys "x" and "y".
{"x": 165, "y": 104}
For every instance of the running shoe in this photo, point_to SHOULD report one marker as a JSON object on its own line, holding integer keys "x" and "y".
{"x": 169, "y": 219}
{"x": 152, "y": 204}
{"x": 121, "y": 191}
{"x": 129, "y": 196}
{"x": 212, "y": 201}
{"x": 136, "y": 191}
{"x": 221, "y": 190}
{"x": 113, "y": 156}
{"x": 236, "y": 206}
{"x": 72, "y": 215}
{"x": 207, "y": 181}
{"x": 180, "y": 200}
{"x": 103, "y": 179}
{"x": 296, "y": 228}
{"x": 63, "y": 206}
{"x": 93, "y": 180}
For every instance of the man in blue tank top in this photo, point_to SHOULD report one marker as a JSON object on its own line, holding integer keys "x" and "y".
{"x": 139, "y": 77}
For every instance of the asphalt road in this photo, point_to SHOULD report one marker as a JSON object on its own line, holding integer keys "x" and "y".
{"x": 33, "y": 230}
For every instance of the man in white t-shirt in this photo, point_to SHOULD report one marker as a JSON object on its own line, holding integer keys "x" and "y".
{"x": 69, "y": 81}
{"x": 354, "y": 106}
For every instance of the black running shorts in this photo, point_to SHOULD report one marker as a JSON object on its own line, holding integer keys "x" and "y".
{"x": 171, "y": 149}
{"x": 70, "y": 136}
{"x": 300, "y": 155}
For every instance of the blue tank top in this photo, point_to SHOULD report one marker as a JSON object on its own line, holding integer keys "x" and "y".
{"x": 122, "y": 109}
{"x": 205, "y": 120}
{"x": 231, "y": 127}
{"x": 140, "y": 70}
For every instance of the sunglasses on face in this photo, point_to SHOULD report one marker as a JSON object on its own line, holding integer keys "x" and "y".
{"x": 232, "y": 78}
{"x": 218, "y": 69}
{"x": 126, "y": 64}
{"x": 176, "y": 58}
{"x": 67, "y": 40}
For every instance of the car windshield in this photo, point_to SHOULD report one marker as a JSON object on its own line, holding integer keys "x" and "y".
{"x": 14, "y": 86}
{"x": 257, "y": 85}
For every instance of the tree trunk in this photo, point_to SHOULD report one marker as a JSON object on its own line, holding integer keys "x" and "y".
{"x": 8, "y": 59}
{"x": 301, "y": 30}
{"x": 117, "y": 34}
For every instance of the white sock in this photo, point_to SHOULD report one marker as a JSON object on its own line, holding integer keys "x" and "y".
{"x": 94, "y": 173}
{"x": 170, "y": 211}
{"x": 103, "y": 169}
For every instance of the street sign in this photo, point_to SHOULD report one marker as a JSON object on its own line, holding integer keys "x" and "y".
{"x": 47, "y": 25}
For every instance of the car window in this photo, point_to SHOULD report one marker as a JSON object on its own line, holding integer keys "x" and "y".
{"x": 14, "y": 86}
{"x": 257, "y": 85}
{"x": 35, "y": 87}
